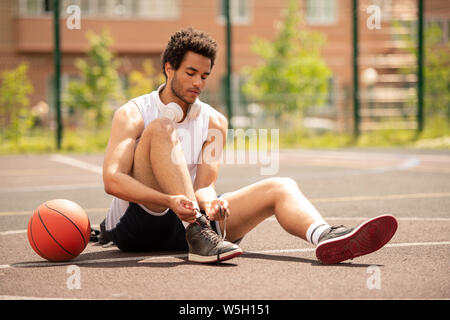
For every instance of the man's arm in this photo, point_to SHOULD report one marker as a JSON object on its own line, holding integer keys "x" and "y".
{"x": 127, "y": 126}
{"x": 208, "y": 169}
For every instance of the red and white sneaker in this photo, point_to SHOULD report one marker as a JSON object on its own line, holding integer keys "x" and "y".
{"x": 340, "y": 243}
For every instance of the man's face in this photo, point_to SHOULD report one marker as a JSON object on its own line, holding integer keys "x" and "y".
{"x": 189, "y": 80}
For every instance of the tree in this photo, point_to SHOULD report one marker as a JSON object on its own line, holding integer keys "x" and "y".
{"x": 140, "y": 83}
{"x": 14, "y": 103}
{"x": 292, "y": 75}
{"x": 99, "y": 81}
{"x": 436, "y": 68}
{"x": 437, "y": 73}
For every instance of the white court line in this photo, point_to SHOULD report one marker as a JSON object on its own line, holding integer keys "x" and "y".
{"x": 408, "y": 163}
{"x": 5, "y": 297}
{"x": 5, "y": 233}
{"x": 352, "y": 155}
{"x": 30, "y": 212}
{"x": 366, "y": 218}
{"x": 77, "y": 163}
{"x": 272, "y": 219}
{"x": 181, "y": 256}
{"x": 385, "y": 197}
{"x": 404, "y": 196}
{"x": 71, "y": 162}
{"x": 392, "y": 245}
{"x": 81, "y": 186}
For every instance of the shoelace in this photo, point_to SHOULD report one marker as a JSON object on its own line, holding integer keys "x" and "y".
{"x": 224, "y": 223}
{"x": 224, "y": 231}
{"x": 337, "y": 227}
{"x": 210, "y": 235}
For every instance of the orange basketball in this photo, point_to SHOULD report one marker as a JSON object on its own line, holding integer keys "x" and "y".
{"x": 59, "y": 230}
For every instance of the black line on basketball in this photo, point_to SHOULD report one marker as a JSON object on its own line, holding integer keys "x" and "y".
{"x": 34, "y": 242}
{"x": 81, "y": 233}
{"x": 40, "y": 218}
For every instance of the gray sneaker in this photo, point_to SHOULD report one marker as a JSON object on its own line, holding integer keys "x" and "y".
{"x": 206, "y": 246}
{"x": 334, "y": 232}
{"x": 340, "y": 243}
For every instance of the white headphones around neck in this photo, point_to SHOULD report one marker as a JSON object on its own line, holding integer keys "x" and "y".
{"x": 174, "y": 112}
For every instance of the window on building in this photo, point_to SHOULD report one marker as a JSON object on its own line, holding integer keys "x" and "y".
{"x": 145, "y": 9}
{"x": 448, "y": 31}
{"x": 385, "y": 9}
{"x": 331, "y": 97}
{"x": 321, "y": 12}
{"x": 159, "y": 9}
{"x": 239, "y": 11}
{"x": 102, "y": 8}
{"x": 440, "y": 28}
{"x": 48, "y": 6}
{"x": 34, "y": 7}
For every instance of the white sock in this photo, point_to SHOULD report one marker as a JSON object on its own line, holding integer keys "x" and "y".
{"x": 185, "y": 224}
{"x": 315, "y": 230}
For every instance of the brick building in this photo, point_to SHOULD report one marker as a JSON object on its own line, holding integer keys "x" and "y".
{"x": 141, "y": 29}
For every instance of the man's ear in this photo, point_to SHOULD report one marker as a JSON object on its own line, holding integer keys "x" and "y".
{"x": 169, "y": 69}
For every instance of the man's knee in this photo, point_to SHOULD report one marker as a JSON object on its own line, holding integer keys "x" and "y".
{"x": 281, "y": 185}
{"x": 281, "y": 181}
{"x": 161, "y": 128}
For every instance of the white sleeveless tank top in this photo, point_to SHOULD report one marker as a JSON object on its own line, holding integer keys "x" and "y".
{"x": 192, "y": 134}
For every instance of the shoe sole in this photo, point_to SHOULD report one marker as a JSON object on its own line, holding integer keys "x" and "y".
{"x": 211, "y": 259}
{"x": 368, "y": 237}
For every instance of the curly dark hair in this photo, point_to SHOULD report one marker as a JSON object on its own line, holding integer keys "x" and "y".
{"x": 186, "y": 40}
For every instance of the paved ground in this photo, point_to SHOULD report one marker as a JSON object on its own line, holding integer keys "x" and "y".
{"x": 346, "y": 186}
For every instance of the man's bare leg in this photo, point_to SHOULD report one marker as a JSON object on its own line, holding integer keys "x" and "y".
{"x": 281, "y": 197}
{"x": 153, "y": 165}
{"x": 274, "y": 196}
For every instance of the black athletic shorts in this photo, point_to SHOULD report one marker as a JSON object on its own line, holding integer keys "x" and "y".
{"x": 139, "y": 231}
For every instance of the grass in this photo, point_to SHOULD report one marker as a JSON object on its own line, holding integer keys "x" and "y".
{"x": 376, "y": 139}
{"x": 44, "y": 141}
{"x": 436, "y": 135}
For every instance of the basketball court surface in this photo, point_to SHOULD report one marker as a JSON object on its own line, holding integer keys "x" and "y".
{"x": 346, "y": 186}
